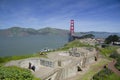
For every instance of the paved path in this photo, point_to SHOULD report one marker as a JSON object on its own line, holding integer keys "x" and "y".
{"x": 112, "y": 67}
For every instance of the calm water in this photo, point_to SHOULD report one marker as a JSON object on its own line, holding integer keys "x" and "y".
{"x": 29, "y": 45}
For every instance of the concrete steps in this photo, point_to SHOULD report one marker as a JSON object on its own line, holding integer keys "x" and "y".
{"x": 59, "y": 74}
{"x": 50, "y": 74}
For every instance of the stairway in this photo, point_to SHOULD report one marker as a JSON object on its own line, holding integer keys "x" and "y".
{"x": 59, "y": 74}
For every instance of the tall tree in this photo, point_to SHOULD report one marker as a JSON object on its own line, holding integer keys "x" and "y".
{"x": 88, "y": 36}
{"x": 111, "y": 38}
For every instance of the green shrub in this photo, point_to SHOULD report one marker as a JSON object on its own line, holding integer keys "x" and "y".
{"x": 106, "y": 74}
{"x": 116, "y": 56}
{"x": 107, "y": 50}
{"x": 15, "y": 73}
{"x": 112, "y": 38}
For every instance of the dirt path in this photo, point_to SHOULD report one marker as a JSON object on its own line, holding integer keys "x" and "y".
{"x": 112, "y": 63}
{"x": 112, "y": 67}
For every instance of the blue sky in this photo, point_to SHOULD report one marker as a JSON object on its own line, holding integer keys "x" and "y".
{"x": 89, "y": 15}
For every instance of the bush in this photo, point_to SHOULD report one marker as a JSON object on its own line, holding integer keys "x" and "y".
{"x": 116, "y": 56}
{"x": 106, "y": 74}
{"x": 107, "y": 50}
{"x": 15, "y": 73}
{"x": 111, "y": 38}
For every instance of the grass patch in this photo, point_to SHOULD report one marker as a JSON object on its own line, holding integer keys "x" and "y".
{"x": 107, "y": 50}
{"x": 9, "y": 58}
{"x": 75, "y": 43}
{"x": 16, "y": 73}
{"x": 116, "y": 56}
{"x": 106, "y": 74}
{"x": 113, "y": 76}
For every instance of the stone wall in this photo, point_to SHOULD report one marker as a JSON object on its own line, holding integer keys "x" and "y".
{"x": 47, "y": 62}
{"x": 34, "y": 62}
{"x": 68, "y": 72}
{"x": 24, "y": 63}
{"x": 89, "y": 41}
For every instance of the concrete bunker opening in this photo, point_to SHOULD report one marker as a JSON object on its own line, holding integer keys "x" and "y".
{"x": 79, "y": 68}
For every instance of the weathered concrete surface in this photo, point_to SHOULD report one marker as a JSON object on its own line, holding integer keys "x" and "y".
{"x": 89, "y": 41}
{"x": 24, "y": 63}
{"x": 43, "y": 72}
{"x": 59, "y": 65}
{"x": 40, "y": 71}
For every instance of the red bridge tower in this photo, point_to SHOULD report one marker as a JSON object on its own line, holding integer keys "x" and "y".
{"x": 71, "y": 34}
{"x": 72, "y": 27}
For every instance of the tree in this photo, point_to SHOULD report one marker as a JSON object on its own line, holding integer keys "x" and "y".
{"x": 88, "y": 36}
{"x": 111, "y": 38}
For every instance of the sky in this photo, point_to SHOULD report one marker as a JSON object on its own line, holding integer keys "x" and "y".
{"x": 88, "y": 15}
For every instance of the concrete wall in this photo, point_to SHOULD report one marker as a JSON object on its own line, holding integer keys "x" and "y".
{"x": 25, "y": 63}
{"x": 68, "y": 72}
{"x": 90, "y": 60}
{"x": 64, "y": 62}
{"x": 47, "y": 63}
{"x": 63, "y": 73}
{"x": 52, "y": 77}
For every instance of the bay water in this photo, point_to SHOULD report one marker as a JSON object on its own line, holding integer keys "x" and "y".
{"x": 10, "y": 46}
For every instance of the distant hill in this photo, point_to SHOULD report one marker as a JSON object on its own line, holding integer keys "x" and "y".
{"x": 99, "y": 34}
{"x": 55, "y": 31}
{"x": 18, "y": 31}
